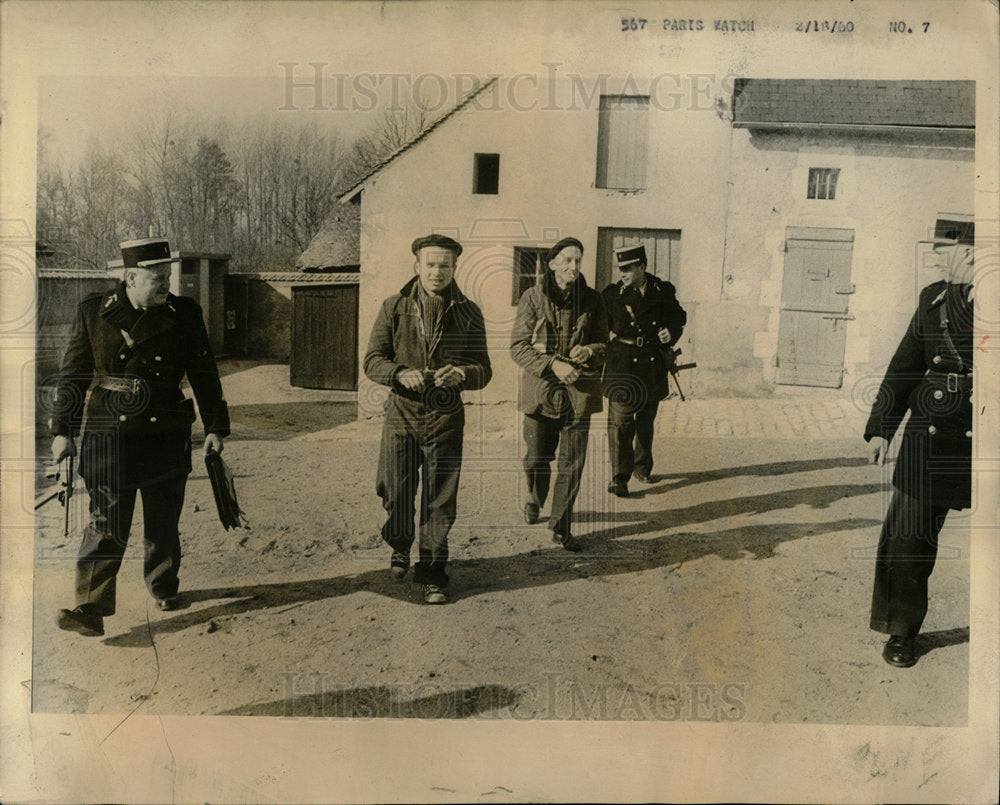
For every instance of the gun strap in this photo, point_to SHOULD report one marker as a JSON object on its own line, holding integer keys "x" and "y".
{"x": 949, "y": 344}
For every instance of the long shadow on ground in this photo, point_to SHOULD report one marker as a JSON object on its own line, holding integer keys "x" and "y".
{"x": 604, "y": 555}
{"x": 816, "y": 497}
{"x": 927, "y": 642}
{"x": 679, "y": 480}
{"x": 380, "y": 701}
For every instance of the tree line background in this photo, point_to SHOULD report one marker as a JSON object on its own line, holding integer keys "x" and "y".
{"x": 257, "y": 189}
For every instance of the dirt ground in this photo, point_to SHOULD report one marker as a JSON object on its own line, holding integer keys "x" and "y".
{"x": 735, "y": 588}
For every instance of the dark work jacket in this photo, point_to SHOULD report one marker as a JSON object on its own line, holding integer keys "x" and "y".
{"x": 935, "y": 455}
{"x": 131, "y": 440}
{"x": 636, "y": 375}
{"x": 398, "y": 342}
{"x": 547, "y": 327}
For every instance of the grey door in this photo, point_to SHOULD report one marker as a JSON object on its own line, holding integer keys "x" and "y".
{"x": 815, "y": 295}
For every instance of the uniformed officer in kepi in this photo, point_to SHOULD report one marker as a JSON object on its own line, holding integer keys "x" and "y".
{"x": 645, "y": 321}
{"x": 131, "y": 347}
{"x": 930, "y": 375}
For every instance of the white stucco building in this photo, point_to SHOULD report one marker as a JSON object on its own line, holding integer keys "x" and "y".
{"x": 788, "y": 213}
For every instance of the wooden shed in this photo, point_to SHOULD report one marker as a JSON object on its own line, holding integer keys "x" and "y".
{"x": 324, "y": 333}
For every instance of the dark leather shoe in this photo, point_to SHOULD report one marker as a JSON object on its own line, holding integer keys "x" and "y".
{"x": 900, "y": 652}
{"x": 618, "y": 488}
{"x": 399, "y": 564}
{"x": 568, "y": 542}
{"x": 531, "y": 513}
{"x": 168, "y": 604}
{"x": 644, "y": 477}
{"x": 82, "y": 621}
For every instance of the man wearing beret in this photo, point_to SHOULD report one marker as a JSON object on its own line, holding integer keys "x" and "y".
{"x": 428, "y": 344}
{"x": 645, "y": 320}
{"x": 558, "y": 341}
{"x": 131, "y": 347}
{"x": 930, "y": 375}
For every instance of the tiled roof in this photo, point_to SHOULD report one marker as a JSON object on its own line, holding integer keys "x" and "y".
{"x": 938, "y": 104}
{"x": 419, "y": 138}
{"x": 338, "y": 242}
{"x": 301, "y": 277}
{"x": 44, "y": 272}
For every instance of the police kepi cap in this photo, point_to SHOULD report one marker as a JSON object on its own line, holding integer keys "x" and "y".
{"x": 630, "y": 255}
{"x": 437, "y": 241}
{"x": 148, "y": 250}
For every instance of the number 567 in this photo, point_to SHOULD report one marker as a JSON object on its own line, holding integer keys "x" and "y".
{"x": 633, "y": 24}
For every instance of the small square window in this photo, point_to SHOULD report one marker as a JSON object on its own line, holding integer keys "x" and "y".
{"x": 823, "y": 183}
{"x": 486, "y": 174}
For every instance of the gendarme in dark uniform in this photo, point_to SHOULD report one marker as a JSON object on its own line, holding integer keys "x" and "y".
{"x": 930, "y": 375}
{"x": 132, "y": 347}
{"x": 645, "y": 320}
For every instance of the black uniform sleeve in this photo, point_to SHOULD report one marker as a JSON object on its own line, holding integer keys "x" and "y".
{"x": 75, "y": 376}
{"x": 673, "y": 314}
{"x": 203, "y": 374}
{"x": 906, "y": 369}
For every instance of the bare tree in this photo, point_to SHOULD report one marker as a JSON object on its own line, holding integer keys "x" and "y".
{"x": 392, "y": 130}
{"x": 258, "y": 189}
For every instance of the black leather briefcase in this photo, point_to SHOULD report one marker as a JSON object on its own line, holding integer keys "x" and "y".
{"x": 230, "y": 513}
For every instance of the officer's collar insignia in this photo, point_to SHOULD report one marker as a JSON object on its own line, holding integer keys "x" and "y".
{"x": 111, "y": 300}
{"x": 937, "y": 299}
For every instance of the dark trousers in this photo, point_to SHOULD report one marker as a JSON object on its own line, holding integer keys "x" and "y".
{"x": 907, "y": 549}
{"x": 106, "y": 536}
{"x": 420, "y": 447}
{"x": 630, "y": 437}
{"x": 542, "y": 435}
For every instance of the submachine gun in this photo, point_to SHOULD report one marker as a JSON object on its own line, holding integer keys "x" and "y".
{"x": 673, "y": 368}
{"x": 62, "y": 491}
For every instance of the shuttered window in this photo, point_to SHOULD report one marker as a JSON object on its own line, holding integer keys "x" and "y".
{"x": 621, "y": 142}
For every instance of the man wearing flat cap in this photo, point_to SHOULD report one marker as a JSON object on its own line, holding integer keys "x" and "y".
{"x": 131, "y": 347}
{"x": 428, "y": 344}
{"x": 929, "y": 376}
{"x": 645, "y": 321}
{"x": 558, "y": 341}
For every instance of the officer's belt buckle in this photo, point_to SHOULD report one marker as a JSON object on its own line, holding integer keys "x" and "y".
{"x": 639, "y": 340}
{"x": 952, "y": 382}
{"x": 130, "y": 385}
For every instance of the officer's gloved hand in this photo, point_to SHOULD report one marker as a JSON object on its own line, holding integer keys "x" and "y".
{"x": 62, "y": 446}
{"x": 213, "y": 443}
